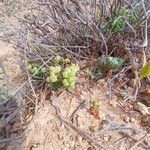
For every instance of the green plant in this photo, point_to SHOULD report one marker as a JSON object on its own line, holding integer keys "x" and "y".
{"x": 120, "y": 19}
{"x": 103, "y": 65}
{"x": 109, "y": 63}
{"x": 94, "y": 108}
{"x": 61, "y": 73}
{"x": 61, "y": 76}
{"x": 69, "y": 75}
{"x": 94, "y": 73}
{"x": 97, "y": 13}
{"x": 36, "y": 71}
{"x": 145, "y": 70}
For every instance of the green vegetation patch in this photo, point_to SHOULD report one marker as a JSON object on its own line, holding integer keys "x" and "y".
{"x": 103, "y": 65}
{"x": 122, "y": 17}
{"x": 61, "y": 73}
{"x": 145, "y": 70}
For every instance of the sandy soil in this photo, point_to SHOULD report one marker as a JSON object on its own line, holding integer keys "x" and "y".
{"x": 59, "y": 125}
{"x": 118, "y": 125}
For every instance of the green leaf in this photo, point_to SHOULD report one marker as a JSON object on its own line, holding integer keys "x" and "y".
{"x": 112, "y": 62}
{"x": 52, "y": 78}
{"x": 118, "y": 22}
{"x": 65, "y": 82}
{"x": 145, "y": 70}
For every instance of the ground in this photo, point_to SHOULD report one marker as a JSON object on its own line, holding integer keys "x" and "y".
{"x": 64, "y": 120}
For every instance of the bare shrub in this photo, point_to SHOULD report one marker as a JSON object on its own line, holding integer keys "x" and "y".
{"x": 80, "y": 27}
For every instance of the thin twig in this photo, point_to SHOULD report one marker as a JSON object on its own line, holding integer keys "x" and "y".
{"x": 10, "y": 139}
{"x": 80, "y": 106}
{"x": 139, "y": 141}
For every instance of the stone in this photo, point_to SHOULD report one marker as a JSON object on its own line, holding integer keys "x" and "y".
{"x": 132, "y": 120}
{"x": 106, "y": 138}
{"x": 126, "y": 119}
{"x": 80, "y": 139}
{"x": 147, "y": 141}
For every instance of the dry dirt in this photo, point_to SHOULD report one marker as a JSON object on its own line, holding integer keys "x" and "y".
{"x": 55, "y": 126}
{"x": 64, "y": 122}
{"x": 11, "y": 72}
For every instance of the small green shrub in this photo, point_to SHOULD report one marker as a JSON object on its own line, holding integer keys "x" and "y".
{"x": 94, "y": 73}
{"x": 120, "y": 19}
{"x": 94, "y": 108}
{"x": 35, "y": 70}
{"x": 96, "y": 104}
{"x": 145, "y": 70}
{"x": 61, "y": 73}
{"x": 110, "y": 63}
{"x": 103, "y": 65}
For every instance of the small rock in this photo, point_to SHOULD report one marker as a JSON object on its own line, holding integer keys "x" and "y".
{"x": 60, "y": 137}
{"x": 106, "y": 138}
{"x": 126, "y": 119}
{"x": 132, "y": 120}
{"x": 90, "y": 148}
{"x": 130, "y": 106}
{"x": 92, "y": 128}
{"x": 67, "y": 144}
{"x": 80, "y": 139}
{"x": 147, "y": 141}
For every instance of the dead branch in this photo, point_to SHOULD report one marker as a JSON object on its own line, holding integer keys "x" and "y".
{"x": 139, "y": 141}
{"x": 10, "y": 118}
